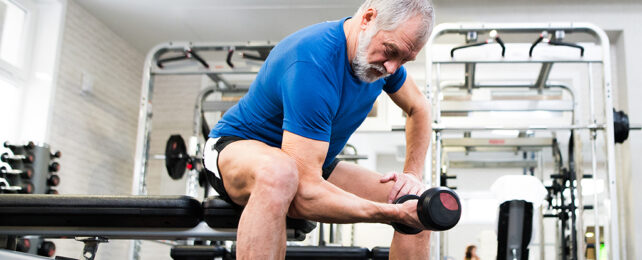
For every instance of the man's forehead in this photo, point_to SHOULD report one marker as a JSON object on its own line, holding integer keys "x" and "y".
{"x": 411, "y": 48}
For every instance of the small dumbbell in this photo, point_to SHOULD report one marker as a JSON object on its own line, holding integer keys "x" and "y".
{"x": 47, "y": 249}
{"x": 438, "y": 209}
{"x": 53, "y": 180}
{"x": 26, "y": 187}
{"x": 54, "y": 167}
{"x": 57, "y": 154}
{"x": 23, "y": 245}
{"x": 28, "y": 158}
{"x": 26, "y": 173}
{"x": 29, "y": 145}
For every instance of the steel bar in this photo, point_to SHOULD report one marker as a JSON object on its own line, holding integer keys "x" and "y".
{"x": 507, "y": 105}
{"x": 492, "y": 164}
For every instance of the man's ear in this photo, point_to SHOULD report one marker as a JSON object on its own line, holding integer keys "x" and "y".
{"x": 367, "y": 17}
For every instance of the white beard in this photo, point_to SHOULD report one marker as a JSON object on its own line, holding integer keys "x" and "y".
{"x": 362, "y": 69}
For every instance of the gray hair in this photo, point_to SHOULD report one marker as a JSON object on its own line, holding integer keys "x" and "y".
{"x": 392, "y": 13}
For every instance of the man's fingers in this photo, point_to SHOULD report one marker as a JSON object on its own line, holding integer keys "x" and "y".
{"x": 391, "y": 176}
{"x": 406, "y": 189}
{"x": 416, "y": 190}
{"x": 394, "y": 192}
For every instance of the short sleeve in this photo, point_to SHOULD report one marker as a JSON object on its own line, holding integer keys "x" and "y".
{"x": 310, "y": 101}
{"x": 395, "y": 81}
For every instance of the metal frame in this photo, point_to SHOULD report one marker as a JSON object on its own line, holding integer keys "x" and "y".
{"x": 201, "y": 231}
{"x": 433, "y": 93}
{"x": 145, "y": 110}
{"x": 150, "y": 69}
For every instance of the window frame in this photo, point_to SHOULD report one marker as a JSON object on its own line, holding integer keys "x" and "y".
{"x": 17, "y": 75}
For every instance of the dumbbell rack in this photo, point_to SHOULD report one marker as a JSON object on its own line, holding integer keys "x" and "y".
{"x": 29, "y": 169}
{"x": 594, "y": 126}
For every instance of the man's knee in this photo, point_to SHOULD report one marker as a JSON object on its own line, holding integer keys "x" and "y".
{"x": 277, "y": 176}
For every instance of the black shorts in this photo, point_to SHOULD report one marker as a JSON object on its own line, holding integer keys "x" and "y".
{"x": 217, "y": 183}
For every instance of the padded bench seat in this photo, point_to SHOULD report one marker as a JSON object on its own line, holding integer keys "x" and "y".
{"x": 197, "y": 252}
{"x": 219, "y": 214}
{"x": 99, "y": 211}
{"x": 125, "y": 217}
{"x": 321, "y": 253}
{"x": 380, "y": 253}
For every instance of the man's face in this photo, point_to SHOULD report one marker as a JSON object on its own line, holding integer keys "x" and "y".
{"x": 380, "y": 53}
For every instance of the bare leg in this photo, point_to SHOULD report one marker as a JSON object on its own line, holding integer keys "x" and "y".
{"x": 365, "y": 183}
{"x": 268, "y": 182}
{"x": 266, "y": 188}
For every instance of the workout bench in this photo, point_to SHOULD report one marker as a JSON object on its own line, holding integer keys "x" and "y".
{"x": 94, "y": 219}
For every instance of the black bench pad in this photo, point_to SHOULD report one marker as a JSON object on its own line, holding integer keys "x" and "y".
{"x": 99, "y": 211}
{"x": 380, "y": 253}
{"x": 321, "y": 253}
{"x": 217, "y": 213}
{"x": 197, "y": 252}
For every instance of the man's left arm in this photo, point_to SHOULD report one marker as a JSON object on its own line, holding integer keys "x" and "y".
{"x": 418, "y": 136}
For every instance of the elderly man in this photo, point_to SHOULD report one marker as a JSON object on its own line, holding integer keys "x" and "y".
{"x": 274, "y": 152}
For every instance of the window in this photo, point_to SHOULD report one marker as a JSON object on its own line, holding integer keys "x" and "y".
{"x": 14, "y": 28}
{"x": 13, "y": 36}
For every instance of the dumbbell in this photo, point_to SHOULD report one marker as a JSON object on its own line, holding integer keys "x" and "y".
{"x": 29, "y": 145}
{"x": 55, "y": 155}
{"x": 26, "y": 188}
{"x": 28, "y": 158}
{"x": 23, "y": 245}
{"x": 47, "y": 249}
{"x": 53, "y": 180}
{"x": 438, "y": 209}
{"x": 25, "y": 173}
{"x": 54, "y": 167}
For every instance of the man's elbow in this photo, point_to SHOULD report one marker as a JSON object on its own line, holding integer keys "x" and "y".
{"x": 302, "y": 206}
{"x": 420, "y": 109}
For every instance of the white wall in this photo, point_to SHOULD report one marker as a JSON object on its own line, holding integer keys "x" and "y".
{"x": 95, "y": 131}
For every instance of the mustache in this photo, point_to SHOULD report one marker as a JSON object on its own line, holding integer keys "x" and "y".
{"x": 379, "y": 68}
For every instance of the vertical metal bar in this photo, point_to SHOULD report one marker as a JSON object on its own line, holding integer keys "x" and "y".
{"x": 542, "y": 238}
{"x": 469, "y": 81}
{"x": 142, "y": 138}
{"x": 436, "y": 181}
{"x": 596, "y": 206}
{"x": 614, "y": 238}
{"x": 543, "y": 76}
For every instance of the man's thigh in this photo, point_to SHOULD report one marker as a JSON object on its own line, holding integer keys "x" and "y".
{"x": 240, "y": 162}
{"x": 360, "y": 181}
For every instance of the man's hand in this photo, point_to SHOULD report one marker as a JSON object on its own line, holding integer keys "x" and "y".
{"x": 405, "y": 183}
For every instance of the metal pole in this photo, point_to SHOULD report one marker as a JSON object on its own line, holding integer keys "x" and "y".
{"x": 596, "y": 206}
{"x": 436, "y": 180}
{"x": 609, "y": 138}
{"x": 542, "y": 238}
{"x": 437, "y": 183}
{"x": 581, "y": 246}
{"x": 142, "y": 139}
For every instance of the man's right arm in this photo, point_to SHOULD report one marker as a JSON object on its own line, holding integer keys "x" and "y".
{"x": 319, "y": 200}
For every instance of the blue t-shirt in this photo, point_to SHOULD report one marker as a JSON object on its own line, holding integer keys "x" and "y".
{"x": 307, "y": 87}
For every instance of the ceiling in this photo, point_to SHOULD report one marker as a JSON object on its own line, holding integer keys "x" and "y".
{"x": 145, "y": 23}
